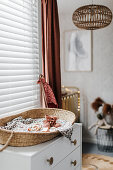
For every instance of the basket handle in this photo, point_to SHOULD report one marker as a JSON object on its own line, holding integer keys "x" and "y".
{"x": 7, "y": 143}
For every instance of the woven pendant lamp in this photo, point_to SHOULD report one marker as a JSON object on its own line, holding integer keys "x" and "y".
{"x": 92, "y": 17}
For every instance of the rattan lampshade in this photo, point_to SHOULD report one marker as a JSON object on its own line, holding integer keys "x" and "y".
{"x": 92, "y": 17}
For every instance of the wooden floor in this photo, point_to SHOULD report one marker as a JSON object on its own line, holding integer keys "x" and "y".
{"x": 92, "y": 148}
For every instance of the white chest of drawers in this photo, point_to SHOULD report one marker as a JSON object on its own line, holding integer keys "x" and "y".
{"x": 57, "y": 154}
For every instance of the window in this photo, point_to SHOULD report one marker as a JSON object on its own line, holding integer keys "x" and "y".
{"x": 19, "y": 55}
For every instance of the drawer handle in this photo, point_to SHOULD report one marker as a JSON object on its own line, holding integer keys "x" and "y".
{"x": 74, "y": 163}
{"x": 50, "y": 161}
{"x": 74, "y": 142}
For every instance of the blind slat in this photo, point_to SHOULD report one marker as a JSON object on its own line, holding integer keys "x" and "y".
{"x": 17, "y": 107}
{"x": 18, "y": 66}
{"x": 17, "y": 48}
{"x": 8, "y": 98}
{"x": 18, "y": 12}
{"x": 18, "y": 7}
{"x": 17, "y": 101}
{"x": 30, "y": 2}
{"x": 21, "y": 38}
{"x": 10, "y": 78}
{"x": 19, "y": 43}
{"x": 18, "y": 72}
{"x": 18, "y": 60}
{"x": 18, "y": 19}
{"x": 4, "y": 28}
{"x": 19, "y": 55}
{"x": 21, "y": 109}
{"x": 16, "y": 90}
{"x": 15, "y": 24}
{"x": 22, "y": 4}
{"x": 10, "y": 85}
{"x": 21, "y": 14}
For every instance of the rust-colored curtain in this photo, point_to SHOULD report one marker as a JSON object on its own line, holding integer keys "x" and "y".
{"x": 51, "y": 46}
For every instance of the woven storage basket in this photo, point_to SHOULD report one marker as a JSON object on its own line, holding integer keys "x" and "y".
{"x": 105, "y": 139}
{"x": 8, "y": 137}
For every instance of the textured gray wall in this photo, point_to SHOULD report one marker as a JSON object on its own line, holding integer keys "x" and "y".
{"x": 99, "y": 82}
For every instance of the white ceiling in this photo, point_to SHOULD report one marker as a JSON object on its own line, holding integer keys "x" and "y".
{"x": 69, "y": 6}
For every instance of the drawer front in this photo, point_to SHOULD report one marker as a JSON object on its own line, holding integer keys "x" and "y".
{"x": 58, "y": 150}
{"x": 71, "y": 162}
{"x": 11, "y": 161}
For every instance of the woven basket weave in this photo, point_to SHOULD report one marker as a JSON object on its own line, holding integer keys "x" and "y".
{"x": 29, "y": 139}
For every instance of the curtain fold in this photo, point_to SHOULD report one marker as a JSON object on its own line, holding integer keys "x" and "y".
{"x": 51, "y": 46}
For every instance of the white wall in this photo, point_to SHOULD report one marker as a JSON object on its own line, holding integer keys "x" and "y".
{"x": 99, "y": 82}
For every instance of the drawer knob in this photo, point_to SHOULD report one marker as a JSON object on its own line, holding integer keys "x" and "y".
{"x": 74, "y": 142}
{"x": 74, "y": 163}
{"x": 50, "y": 161}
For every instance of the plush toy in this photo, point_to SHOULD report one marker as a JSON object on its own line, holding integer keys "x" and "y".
{"x": 102, "y": 110}
{"x": 101, "y": 122}
{"x": 51, "y": 122}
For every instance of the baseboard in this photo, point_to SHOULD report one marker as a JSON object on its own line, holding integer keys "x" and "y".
{"x": 89, "y": 140}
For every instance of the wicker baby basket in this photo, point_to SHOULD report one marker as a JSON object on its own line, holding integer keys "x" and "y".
{"x": 8, "y": 137}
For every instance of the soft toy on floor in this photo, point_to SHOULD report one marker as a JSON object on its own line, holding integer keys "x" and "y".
{"x": 103, "y": 110}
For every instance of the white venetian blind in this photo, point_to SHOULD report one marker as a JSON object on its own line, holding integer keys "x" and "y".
{"x": 19, "y": 56}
